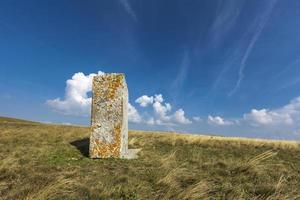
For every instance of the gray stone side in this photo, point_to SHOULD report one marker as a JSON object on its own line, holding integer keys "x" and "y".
{"x": 124, "y": 132}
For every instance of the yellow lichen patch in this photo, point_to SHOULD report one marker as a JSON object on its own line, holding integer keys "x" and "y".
{"x": 113, "y": 85}
{"x": 110, "y": 82}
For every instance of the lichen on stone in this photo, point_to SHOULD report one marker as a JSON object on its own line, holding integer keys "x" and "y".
{"x": 109, "y": 121}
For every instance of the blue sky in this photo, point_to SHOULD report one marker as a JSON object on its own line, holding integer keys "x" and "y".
{"x": 222, "y": 67}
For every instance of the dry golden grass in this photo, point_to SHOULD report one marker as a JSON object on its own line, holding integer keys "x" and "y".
{"x": 40, "y": 161}
{"x": 238, "y": 141}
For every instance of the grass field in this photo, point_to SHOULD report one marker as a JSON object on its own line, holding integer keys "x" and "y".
{"x": 41, "y": 161}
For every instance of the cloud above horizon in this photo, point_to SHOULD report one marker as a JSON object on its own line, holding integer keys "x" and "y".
{"x": 286, "y": 116}
{"x": 77, "y": 102}
{"x": 282, "y": 120}
{"x": 133, "y": 114}
{"x": 162, "y": 111}
{"x": 154, "y": 110}
{"x": 144, "y": 100}
{"x": 217, "y": 120}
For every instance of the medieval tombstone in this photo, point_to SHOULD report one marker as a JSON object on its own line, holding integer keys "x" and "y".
{"x": 109, "y": 121}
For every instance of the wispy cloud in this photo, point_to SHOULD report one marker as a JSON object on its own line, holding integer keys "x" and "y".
{"x": 260, "y": 24}
{"x": 128, "y": 9}
{"x": 179, "y": 80}
{"x": 287, "y": 71}
{"x": 287, "y": 68}
{"x": 290, "y": 83}
{"x": 231, "y": 58}
{"x": 226, "y": 17}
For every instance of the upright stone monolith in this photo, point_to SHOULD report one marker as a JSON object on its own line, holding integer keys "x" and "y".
{"x": 109, "y": 122}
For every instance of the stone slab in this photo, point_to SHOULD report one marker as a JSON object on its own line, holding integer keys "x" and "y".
{"x": 109, "y": 122}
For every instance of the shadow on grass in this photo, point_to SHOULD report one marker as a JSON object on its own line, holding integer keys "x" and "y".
{"x": 82, "y": 145}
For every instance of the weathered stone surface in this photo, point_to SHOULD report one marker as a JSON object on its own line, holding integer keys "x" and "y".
{"x": 109, "y": 122}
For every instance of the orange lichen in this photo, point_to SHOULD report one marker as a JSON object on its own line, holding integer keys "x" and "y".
{"x": 105, "y": 150}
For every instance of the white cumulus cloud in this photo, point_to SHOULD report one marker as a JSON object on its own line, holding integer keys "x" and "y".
{"x": 133, "y": 114}
{"x": 76, "y": 100}
{"x": 217, "y": 120}
{"x": 287, "y": 115}
{"x": 144, "y": 100}
{"x": 180, "y": 118}
{"x": 162, "y": 111}
{"x": 158, "y": 98}
{"x": 150, "y": 121}
{"x": 284, "y": 120}
{"x": 197, "y": 119}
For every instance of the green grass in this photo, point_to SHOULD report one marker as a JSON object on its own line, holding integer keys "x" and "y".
{"x": 42, "y": 161}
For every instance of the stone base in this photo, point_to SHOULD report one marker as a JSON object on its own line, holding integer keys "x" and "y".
{"x": 132, "y": 153}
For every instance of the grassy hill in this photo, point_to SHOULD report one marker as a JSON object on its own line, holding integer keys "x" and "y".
{"x": 42, "y": 161}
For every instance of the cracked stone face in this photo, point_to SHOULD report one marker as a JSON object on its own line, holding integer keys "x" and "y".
{"x": 109, "y": 123}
